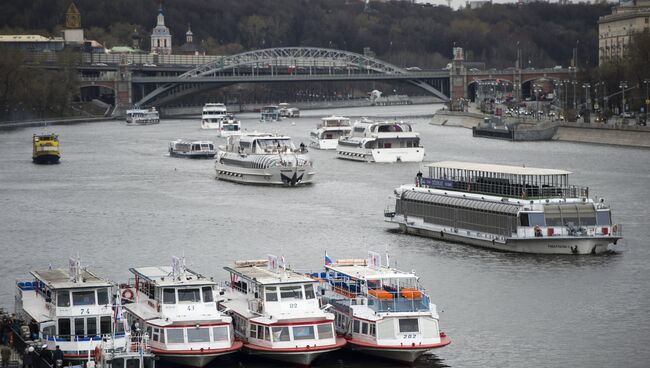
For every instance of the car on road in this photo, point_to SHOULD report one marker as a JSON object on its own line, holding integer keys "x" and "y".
{"x": 99, "y": 64}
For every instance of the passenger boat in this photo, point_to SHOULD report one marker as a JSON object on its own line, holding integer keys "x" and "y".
{"x": 229, "y": 126}
{"x": 133, "y": 354}
{"x": 381, "y": 142}
{"x": 265, "y": 159}
{"x": 192, "y": 149}
{"x": 508, "y": 208}
{"x": 276, "y": 312}
{"x": 212, "y": 115}
{"x": 380, "y": 310}
{"x": 73, "y": 309}
{"x": 45, "y": 149}
{"x": 288, "y": 112}
{"x": 176, "y": 308}
{"x": 270, "y": 113}
{"x": 142, "y": 116}
{"x": 329, "y": 131}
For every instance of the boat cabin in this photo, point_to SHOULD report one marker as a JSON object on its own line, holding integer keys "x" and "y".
{"x": 270, "y": 113}
{"x": 214, "y": 109}
{"x": 261, "y": 143}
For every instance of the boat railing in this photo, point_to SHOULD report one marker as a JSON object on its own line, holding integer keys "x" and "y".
{"x": 570, "y": 229}
{"x": 523, "y": 191}
{"x": 417, "y": 303}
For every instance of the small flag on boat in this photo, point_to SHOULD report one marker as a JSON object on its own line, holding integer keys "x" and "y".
{"x": 118, "y": 310}
{"x": 328, "y": 260}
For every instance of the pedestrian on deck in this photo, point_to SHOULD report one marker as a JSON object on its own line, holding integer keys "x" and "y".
{"x": 57, "y": 357}
{"x": 5, "y": 354}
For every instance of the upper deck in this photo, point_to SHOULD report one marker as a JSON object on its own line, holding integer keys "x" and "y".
{"x": 260, "y": 143}
{"x": 258, "y": 272}
{"x": 371, "y": 129}
{"x": 334, "y": 122}
{"x": 502, "y": 180}
{"x": 214, "y": 109}
{"x": 62, "y": 279}
{"x": 164, "y": 276}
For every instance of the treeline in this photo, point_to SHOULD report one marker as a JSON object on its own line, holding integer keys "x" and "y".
{"x": 405, "y": 34}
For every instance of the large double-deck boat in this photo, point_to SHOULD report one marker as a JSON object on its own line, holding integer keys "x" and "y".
{"x": 139, "y": 116}
{"x": 192, "y": 149}
{"x": 329, "y": 131}
{"x": 213, "y": 115}
{"x": 45, "y": 149}
{"x": 381, "y": 142}
{"x": 73, "y": 309}
{"x": 270, "y": 113}
{"x": 176, "y": 307}
{"x": 287, "y": 111}
{"x": 265, "y": 159}
{"x": 509, "y": 208}
{"x": 380, "y": 310}
{"x": 135, "y": 353}
{"x": 276, "y": 312}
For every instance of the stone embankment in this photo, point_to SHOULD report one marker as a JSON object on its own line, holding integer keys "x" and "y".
{"x": 457, "y": 118}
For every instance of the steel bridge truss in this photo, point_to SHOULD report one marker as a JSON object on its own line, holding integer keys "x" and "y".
{"x": 307, "y": 61}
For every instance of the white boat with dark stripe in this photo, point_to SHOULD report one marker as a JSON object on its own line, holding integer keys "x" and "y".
{"x": 264, "y": 159}
{"x": 192, "y": 149}
{"x": 276, "y": 312}
{"x": 507, "y": 208}
{"x": 176, "y": 307}
{"x": 381, "y": 142}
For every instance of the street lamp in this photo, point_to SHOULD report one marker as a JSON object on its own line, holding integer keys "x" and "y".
{"x": 586, "y": 86}
{"x": 647, "y": 98}
{"x": 623, "y": 85}
{"x": 574, "y": 82}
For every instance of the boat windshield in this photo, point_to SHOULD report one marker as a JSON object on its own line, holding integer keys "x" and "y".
{"x": 274, "y": 143}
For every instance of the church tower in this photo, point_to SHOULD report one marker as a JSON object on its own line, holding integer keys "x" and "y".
{"x": 161, "y": 38}
{"x": 73, "y": 33}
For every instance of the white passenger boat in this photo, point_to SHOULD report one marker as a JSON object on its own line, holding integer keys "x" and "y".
{"x": 276, "y": 312}
{"x": 176, "y": 308}
{"x": 142, "y": 116}
{"x": 329, "y": 131}
{"x": 229, "y": 126}
{"x": 73, "y": 309}
{"x": 381, "y": 142}
{"x": 192, "y": 149}
{"x": 509, "y": 208}
{"x": 265, "y": 159}
{"x": 287, "y": 111}
{"x": 213, "y": 115}
{"x": 270, "y": 113}
{"x": 380, "y": 310}
{"x": 135, "y": 353}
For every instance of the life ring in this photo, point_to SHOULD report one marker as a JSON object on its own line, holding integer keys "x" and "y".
{"x": 127, "y": 294}
{"x": 615, "y": 228}
{"x": 98, "y": 354}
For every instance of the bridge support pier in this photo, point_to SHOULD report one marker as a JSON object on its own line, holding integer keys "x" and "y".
{"x": 457, "y": 81}
{"x": 123, "y": 90}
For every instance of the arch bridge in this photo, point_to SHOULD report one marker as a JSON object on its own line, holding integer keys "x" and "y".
{"x": 287, "y": 64}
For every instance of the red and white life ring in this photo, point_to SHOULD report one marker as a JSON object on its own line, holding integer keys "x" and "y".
{"x": 127, "y": 294}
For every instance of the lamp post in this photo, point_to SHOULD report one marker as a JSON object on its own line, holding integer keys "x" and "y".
{"x": 623, "y": 85}
{"x": 574, "y": 82}
{"x": 587, "y": 87}
{"x": 647, "y": 98}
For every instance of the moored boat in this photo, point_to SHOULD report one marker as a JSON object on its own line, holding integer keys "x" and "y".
{"x": 264, "y": 159}
{"x": 71, "y": 308}
{"x": 229, "y": 126}
{"x": 45, "y": 149}
{"x": 288, "y": 112}
{"x": 329, "y": 131}
{"x": 176, "y": 307}
{"x": 508, "y": 208}
{"x": 380, "y": 310}
{"x": 213, "y": 115}
{"x": 192, "y": 149}
{"x": 276, "y": 312}
{"x": 139, "y": 116}
{"x": 270, "y": 113}
{"x": 381, "y": 142}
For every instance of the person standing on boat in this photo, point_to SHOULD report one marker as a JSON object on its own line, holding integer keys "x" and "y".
{"x": 57, "y": 357}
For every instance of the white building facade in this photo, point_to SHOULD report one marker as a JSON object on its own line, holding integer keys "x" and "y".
{"x": 161, "y": 38}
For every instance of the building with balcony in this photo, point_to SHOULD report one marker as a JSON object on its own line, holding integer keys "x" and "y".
{"x": 616, "y": 29}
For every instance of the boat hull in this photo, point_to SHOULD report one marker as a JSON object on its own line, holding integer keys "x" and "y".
{"x": 540, "y": 245}
{"x": 142, "y": 122}
{"x": 299, "y": 356}
{"x": 404, "y": 354}
{"x": 277, "y": 175}
{"x": 201, "y": 155}
{"x": 195, "y": 358}
{"x": 46, "y": 159}
{"x": 387, "y": 155}
{"x": 324, "y": 144}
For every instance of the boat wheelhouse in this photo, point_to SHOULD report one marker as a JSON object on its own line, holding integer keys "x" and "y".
{"x": 142, "y": 116}
{"x": 329, "y": 131}
{"x": 176, "y": 307}
{"x": 213, "y": 115}
{"x": 270, "y": 113}
{"x": 508, "y": 208}
{"x": 192, "y": 149}
{"x": 381, "y": 142}
{"x": 73, "y": 309}
{"x": 276, "y": 312}
{"x": 380, "y": 310}
{"x": 45, "y": 149}
{"x": 264, "y": 159}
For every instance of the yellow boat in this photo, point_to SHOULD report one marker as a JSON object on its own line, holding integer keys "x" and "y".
{"x": 46, "y": 149}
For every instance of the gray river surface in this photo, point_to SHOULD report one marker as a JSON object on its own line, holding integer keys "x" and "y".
{"x": 118, "y": 200}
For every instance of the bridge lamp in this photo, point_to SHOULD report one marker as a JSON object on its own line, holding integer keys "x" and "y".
{"x": 623, "y": 85}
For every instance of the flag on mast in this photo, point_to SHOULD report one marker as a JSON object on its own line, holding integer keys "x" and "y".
{"x": 328, "y": 260}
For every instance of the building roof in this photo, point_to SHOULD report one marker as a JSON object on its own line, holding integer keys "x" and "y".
{"x": 501, "y": 169}
{"x": 122, "y": 49}
{"x": 61, "y": 279}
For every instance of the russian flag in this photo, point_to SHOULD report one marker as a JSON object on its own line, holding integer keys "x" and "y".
{"x": 328, "y": 260}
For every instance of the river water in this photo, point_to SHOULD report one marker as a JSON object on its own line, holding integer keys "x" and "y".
{"x": 119, "y": 201}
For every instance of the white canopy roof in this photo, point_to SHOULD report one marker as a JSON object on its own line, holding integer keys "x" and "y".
{"x": 501, "y": 169}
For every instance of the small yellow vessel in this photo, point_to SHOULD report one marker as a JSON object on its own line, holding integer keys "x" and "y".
{"x": 46, "y": 149}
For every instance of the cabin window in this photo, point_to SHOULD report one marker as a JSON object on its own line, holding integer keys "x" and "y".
{"x": 372, "y": 329}
{"x": 207, "y": 294}
{"x": 117, "y": 363}
{"x": 356, "y": 326}
{"x": 211, "y": 147}
{"x": 271, "y": 294}
{"x": 267, "y": 333}
{"x": 253, "y": 331}
{"x": 531, "y": 219}
{"x": 63, "y": 298}
{"x": 309, "y": 291}
{"x": 220, "y": 333}
{"x": 303, "y": 333}
{"x": 79, "y": 327}
{"x": 364, "y": 328}
{"x": 293, "y": 292}
{"x": 156, "y": 334}
{"x": 175, "y": 335}
{"x": 91, "y": 326}
{"x": 83, "y": 297}
{"x": 325, "y": 331}
{"x": 132, "y": 363}
{"x": 408, "y": 325}
{"x": 603, "y": 218}
{"x": 102, "y": 296}
{"x": 198, "y": 335}
{"x": 281, "y": 334}
{"x": 189, "y": 295}
{"x": 64, "y": 327}
{"x": 49, "y": 330}
{"x": 105, "y": 325}
{"x": 169, "y": 296}
{"x": 260, "y": 332}
{"x": 149, "y": 331}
